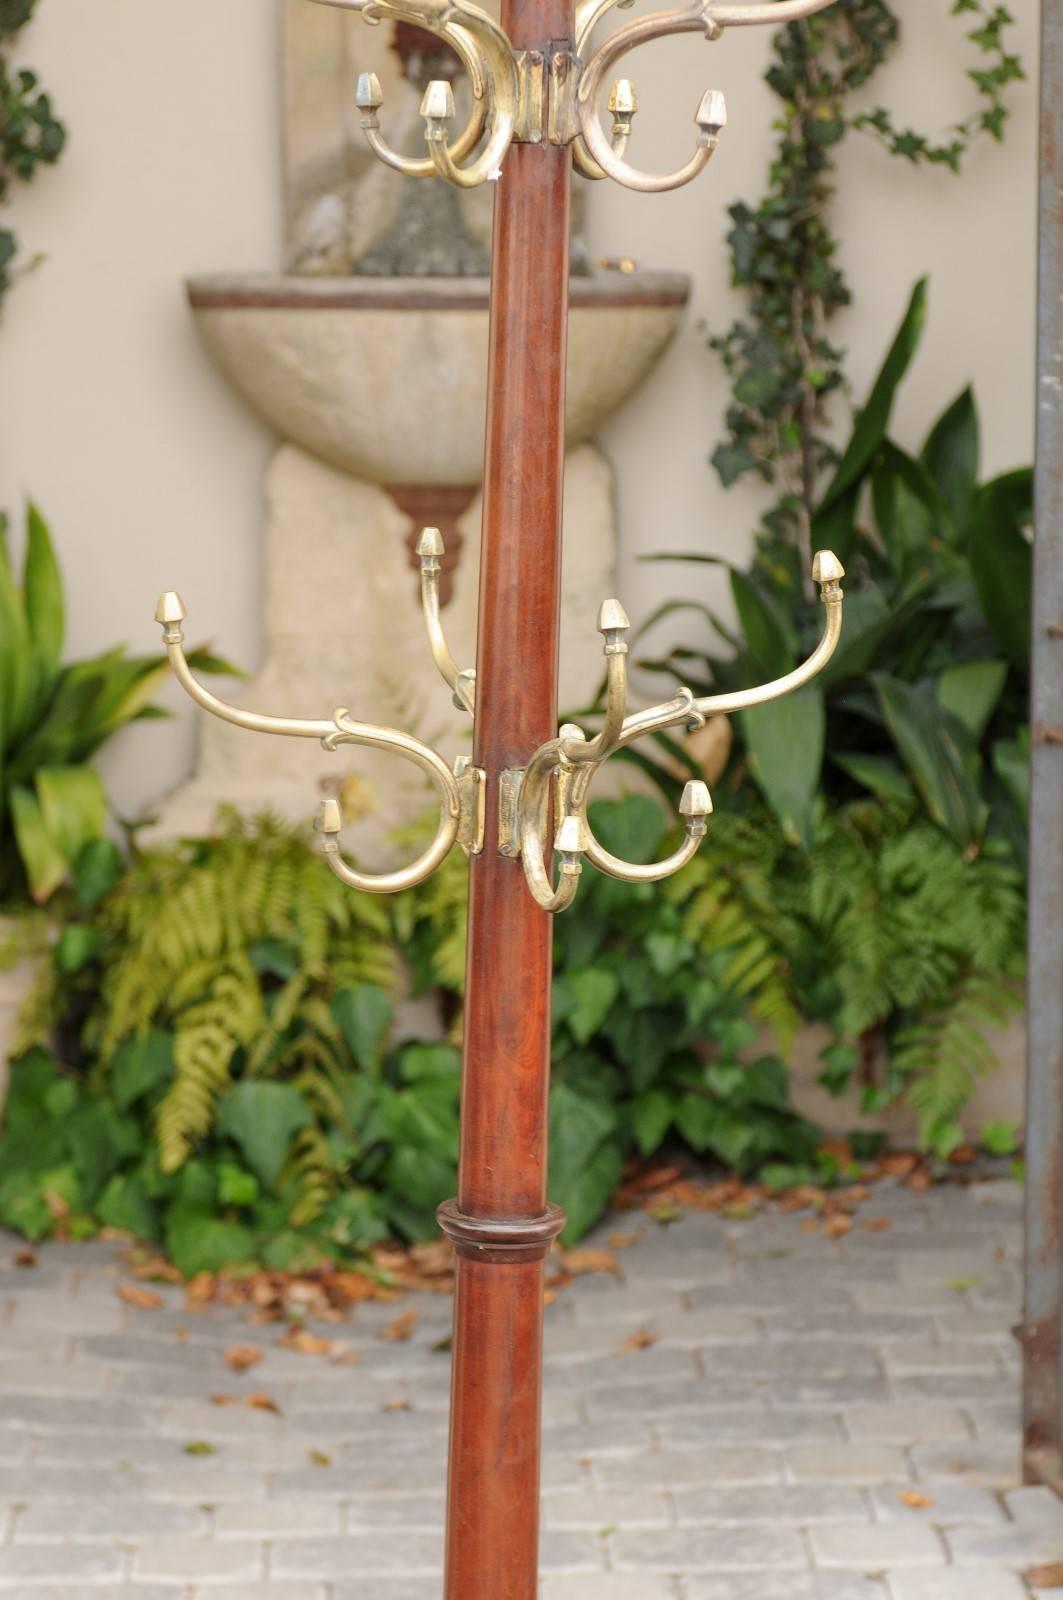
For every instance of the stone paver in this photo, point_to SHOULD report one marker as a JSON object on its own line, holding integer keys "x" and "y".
{"x": 813, "y": 1420}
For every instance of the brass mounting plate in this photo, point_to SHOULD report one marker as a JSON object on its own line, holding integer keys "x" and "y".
{"x": 509, "y": 782}
{"x": 531, "y": 96}
{"x": 472, "y": 791}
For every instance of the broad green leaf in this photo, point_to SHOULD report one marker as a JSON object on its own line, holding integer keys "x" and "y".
{"x": 44, "y": 863}
{"x": 951, "y": 454}
{"x": 785, "y": 740}
{"x": 75, "y": 948}
{"x": 263, "y": 1118}
{"x": 125, "y": 1204}
{"x": 364, "y": 1016}
{"x": 199, "y": 1241}
{"x": 592, "y": 991}
{"x": 911, "y": 513}
{"x": 871, "y": 425}
{"x": 97, "y": 868}
{"x": 768, "y": 631}
{"x": 1002, "y": 561}
{"x": 578, "y": 1126}
{"x": 651, "y": 1117}
{"x": 141, "y": 1068}
{"x": 876, "y": 773}
{"x": 588, "y": 1192}
{"x": 45, "y": 618}
{"x": 834, "y": 525}
{"x": 418, "y": 1181}
{"x": 971, "y": 692}
{"x": 937, "y": 750}
{"x": 631, "y": 828}
{"x": 74, "y": 806}
{"x": 236, "y": 1186}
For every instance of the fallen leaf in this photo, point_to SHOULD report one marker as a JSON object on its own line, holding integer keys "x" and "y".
{"x": 641, "y": 1339}
{"x": 240, "y": 1357}
{"x": 1050, "y": 1577}
{"x": 397, "y": 1405}
{"x": 665, "y": 1213}
{"x": 199, "y": 1291}
{"x": 876, "y": 1224}
{"x": 143, "y": 1299}
{"x": 809, "y": 1225}
{"x": 305, "y": 1342}
{"x": 318, "y": 1458}
{"x": 581, "y": 1263}
{"x": 200, "y": 1447}
{"x": 262, "y": 1402}
{"x": 401, "y": 1330}
{"x": 443, "y": 1347}
{"x": 837, "y": 1226}
{"x": 25, "y": 1258}
{"x": 920, "y": 1181}
{"x": 917, "y": 1502}
{"x": 964, "y": 1156}
{"x": 622, "y": 1241}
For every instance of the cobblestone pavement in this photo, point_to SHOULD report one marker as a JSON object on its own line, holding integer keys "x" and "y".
{"x": 818, "y": 1420}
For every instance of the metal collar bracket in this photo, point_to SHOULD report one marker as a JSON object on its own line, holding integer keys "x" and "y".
{"x": 472, "y": 789}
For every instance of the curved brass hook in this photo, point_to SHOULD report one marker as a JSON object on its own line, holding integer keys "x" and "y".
{"x": 711, "y": 115}
{"x": 695, "y": 807}
{"x": 330, "y": 821}
{"x": 369, "y": 98}
{"x": 339, "y": 729}
{"x": 462, "y": 683}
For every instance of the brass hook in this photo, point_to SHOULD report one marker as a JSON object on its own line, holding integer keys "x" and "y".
{"x": 339, "y": 729}
{"x": 462, "y": 683}
{"x": 369, "y": 98}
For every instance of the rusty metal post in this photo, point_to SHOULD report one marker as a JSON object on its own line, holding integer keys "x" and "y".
{"x": 1043, "y": 1374}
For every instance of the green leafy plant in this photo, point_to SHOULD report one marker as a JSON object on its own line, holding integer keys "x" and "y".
{"x": 781, "y": 360}
{"x": 54, "y": 718}
{"x": 31, "y": 136}
{"x": 907, "y": 950}
{"x": 926, "y": 697}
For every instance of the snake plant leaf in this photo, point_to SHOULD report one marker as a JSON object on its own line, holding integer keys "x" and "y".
{"x": 785, "y": 741}
{"x": 769, "y": 632}
{"x": 45, "y": 864}
{"x": 883, "y": 777}
{"x": 910, "y": 511}
{"x": 15, "y": 701}
{"x": 951, "y": 455}
{"x": 972, "y": 691}
{"x": 873, "y": 420}
{"x": 73, "y": 805}
{"x": 940, "y": 756}
{"x": 1002, "y": 561}
{"x": 45, "y": 611}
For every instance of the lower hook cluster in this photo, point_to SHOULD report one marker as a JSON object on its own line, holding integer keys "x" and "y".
{"x": 543, "y": 807}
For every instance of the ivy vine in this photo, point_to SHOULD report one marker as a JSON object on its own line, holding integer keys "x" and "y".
{"x": 780, "y": 358}
{"x": 31, "y": 136}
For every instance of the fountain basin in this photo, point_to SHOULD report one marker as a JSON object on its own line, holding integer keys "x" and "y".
{"x": 385, "y": 378}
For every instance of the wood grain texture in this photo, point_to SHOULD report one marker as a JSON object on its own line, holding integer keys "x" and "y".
{"x": 493, "y": 1509}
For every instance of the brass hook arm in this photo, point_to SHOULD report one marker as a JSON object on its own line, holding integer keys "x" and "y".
{"x": 532, "y": 821}
{"x": 339, "y": 729}
{"x": 774, "y": 13}
{"x": 369, "y": 98}
{"x": 171, "y": 613}
{"x": 828, "y": 572}
{"x": 576, "y": 749}
{"x": 346, "y": 730}
{"x": 430, "y": 548}
{"x": 711, "y": 115}
{"x": 695, "y": 807}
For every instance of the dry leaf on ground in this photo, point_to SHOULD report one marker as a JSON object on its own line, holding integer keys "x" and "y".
{"x": 641, "y": 1339}
{"x": 25, "y": 1258}
{"x": 306, "y": 1343}
{"x": 1050, "y": 1577}
{"x": 837, "y": 1226}
{"x": 580, "y": 1263}
{"x": 876, "y": 1224}
{"x": 142, "y": 1299}
{"x": 914, "y": 1500}
{"x": 622, "y": 1241}
{"x": 241, "y": 1357}
{"x": 401, "y": 1330}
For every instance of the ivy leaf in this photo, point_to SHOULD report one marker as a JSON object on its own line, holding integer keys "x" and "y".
{"x": 364, "y": 1017}
{"x": 263, "y": 1118}
{"x": 589, "y": 995}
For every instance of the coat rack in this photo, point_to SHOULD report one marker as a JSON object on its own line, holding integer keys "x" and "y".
{"x": 521, "y": 798}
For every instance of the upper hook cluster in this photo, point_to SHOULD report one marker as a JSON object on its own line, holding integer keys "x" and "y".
{"x": 520, "y": 95}
{"x": 544, "y": 805}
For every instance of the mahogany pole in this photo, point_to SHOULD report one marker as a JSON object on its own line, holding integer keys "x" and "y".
{"x": 501, "y": 1225}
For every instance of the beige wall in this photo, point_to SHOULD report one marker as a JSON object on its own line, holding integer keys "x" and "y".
{"x": 151, "y": 473}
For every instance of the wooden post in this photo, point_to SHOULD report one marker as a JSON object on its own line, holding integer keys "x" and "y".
{"x": 501, "y": 1225}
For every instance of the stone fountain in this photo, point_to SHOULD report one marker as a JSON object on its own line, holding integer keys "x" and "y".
{"x": 367, "y": 360}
